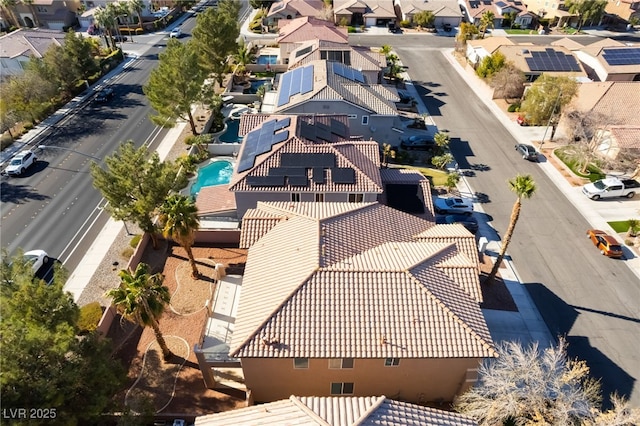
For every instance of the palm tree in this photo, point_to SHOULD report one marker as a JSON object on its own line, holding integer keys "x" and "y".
{"x": 442, "y": 142}
{"x": 33, "y": 12}
{"x": 242, "y": 57}
{"x": 387, "y": 152}
{"x": 524, "y": 187}
{"x": 486, "y": 21}
{"x": 179, "y": 215}
{"x": 137, "y": 6}
{"x": 142, "y": 298}
{"x": 106, "y": 20}
{"x": 9, "y": 6}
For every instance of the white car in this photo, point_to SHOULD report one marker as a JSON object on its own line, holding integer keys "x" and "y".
{"x": 175, "y": 33}
{"x": 37, "y": 258}
{"x": 453, "y": 205}
{"x": 20, "y": 163}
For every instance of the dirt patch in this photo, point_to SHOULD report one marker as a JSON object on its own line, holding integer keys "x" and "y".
{"x": 191, "y": 293}
{"x": 495, "y": 295}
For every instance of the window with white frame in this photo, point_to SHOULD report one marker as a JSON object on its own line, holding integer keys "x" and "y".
{"x": 295, "y": 196}
{"x": 391, "y": 362}
{"x": 301, "y": 363}
{"x": 356, "y": 198}
{"x": 341, "y": 388}
{"x": 341, "y": 363}
{"x": 365, "y": 120}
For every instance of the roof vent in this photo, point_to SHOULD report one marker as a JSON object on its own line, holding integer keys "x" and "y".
{"x": 525, "y": 51}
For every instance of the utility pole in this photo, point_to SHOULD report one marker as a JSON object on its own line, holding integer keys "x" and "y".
{"x": 553, "y": 113}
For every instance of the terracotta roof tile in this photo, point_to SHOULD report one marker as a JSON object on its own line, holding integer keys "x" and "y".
{"x": 213, "y": 199}
{"x": 627, "y": 137}
{"x": 621, "y": 102}
{"x": 336, "y": 411}
{"x": 307, "y": 28}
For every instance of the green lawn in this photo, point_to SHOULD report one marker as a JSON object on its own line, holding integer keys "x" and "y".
{"x": 593, "y": 172}
{"x": 436, "y": 177}
{"x": 519, "y": 31}
{"x": 620, "y": 226}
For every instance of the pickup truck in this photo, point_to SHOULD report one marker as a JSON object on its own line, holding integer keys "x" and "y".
{"x": 611, "y": 187}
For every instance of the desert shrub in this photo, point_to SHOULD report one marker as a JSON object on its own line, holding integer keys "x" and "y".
{"x": 127, "y": 252}
{"x": 135, "y": 240}
{"x": 343, "y": 22}
{"x": 405, "y": 23}
{"x": 89, "y": 317}
{"x": 513, "y": 108}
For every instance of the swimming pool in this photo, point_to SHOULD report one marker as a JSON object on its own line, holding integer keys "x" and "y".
{"x": 231, "y": 134}
{"x": 267, "y": 59}
{"x": 255, "y": 85}
{"x": 215, "y": 173}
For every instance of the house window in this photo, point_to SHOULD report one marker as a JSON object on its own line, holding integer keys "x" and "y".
{"x": 341, "y": 363}
{"x": 41, "y": 9}
{"x": 295, "y": 196}
{"x": 391, "y": 362}
{"x": 301, "y": 363}
{"x": 356, "y": 198}
{"x": 365, "y": 120}
{"x": 341, "y": 388}
{"x": 352, "y": 116}
{"x": 319, "y": 198}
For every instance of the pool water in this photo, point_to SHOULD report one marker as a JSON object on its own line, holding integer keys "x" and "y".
{"x": 255, "y": 85}
{"x": 214, "y": 173}
{"x": 231, "y": 134}
{"x": 267, "y": 59}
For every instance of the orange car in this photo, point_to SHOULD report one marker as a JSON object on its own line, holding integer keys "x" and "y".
{"x": 607, "y": 245}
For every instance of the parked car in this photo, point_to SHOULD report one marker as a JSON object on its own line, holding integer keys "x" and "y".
{"x": 175, "y": 33}
{"x": 20, "y": 163}
{"x": 610, "y": 188}
{"x": 604, "y": 242}
{"x": 528, "y": 152}
{"x": 447, "y": 27}
{"x": 469, "y": 222}
{"x": 393, "y": 28}
{"x": 104, "y": 95}
{"x": 37, "y": 258}
{"x": 405, "y": 98}
{"x": 453, "y": 205}
{"x": 119, "y": 38}
{"x": 417, "y": 142}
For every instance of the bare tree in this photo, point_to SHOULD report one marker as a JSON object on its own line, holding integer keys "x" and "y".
{"x": 508, "y": 82}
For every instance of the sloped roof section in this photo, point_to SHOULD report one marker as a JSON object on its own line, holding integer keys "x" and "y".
{"x": 29, "y": 42}
{"x": 307, "y": 28}
{"x": 357, "y": 281}
{"x": 336, "y": 411}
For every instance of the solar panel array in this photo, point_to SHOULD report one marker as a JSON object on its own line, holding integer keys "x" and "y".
{"x": 347, "y": 72}
{"x": 319, "y": 131}
{"x": 622, "y": 56}
{"x": 296, "y": 81}
{"x": 552, "y": 60}
{"x": 294, "y": 171}
{"x": 262, "y": 140}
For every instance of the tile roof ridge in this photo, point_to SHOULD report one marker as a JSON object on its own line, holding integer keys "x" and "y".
{"x": 295, "y": 400}
{"x": 354, "y": 164}
{"x": 369, "y": 411}
{"x": 278, "y": 308}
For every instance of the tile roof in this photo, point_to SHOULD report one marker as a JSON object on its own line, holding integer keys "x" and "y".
{"x": 627, "y": 137}
{"x": 620, "y": 101}
{"x": 517, "y": 54}
{"x": 330, "y": 86}
{"x": 361, "y": 58}
{"x": 302, "y": 7}
{"x": 335, "y": 290}
{"x": 392, "y": 175}
{"x": 360, "y": 156}
{"x": 491, "y": 44}
{"x": 29, "y": 42}
{"x": 336, "y": 411}
{"x": 568, "y": 43}
{"x": 307, "y": 28}
{"x": 212, "y": 199}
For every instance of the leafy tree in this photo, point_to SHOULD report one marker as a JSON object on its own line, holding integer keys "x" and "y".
{"x": 546, "y": 97}
{"x": 491, "y": 64}
{"x": 44, "y": 363}
{"x": 70, "y": 63}
{"x": 510, "y": 17}
{"x": 508, "y": 82}
{"x": 200, "y": 142}
{"x": 634, "y": 224}
{"x": 135, "y": 185}
{"x": 587, "y": 10}
{"x": 242, "y": 58}
{"x": 528, "y": 386}
{"x": 215, "y": 36}
{"x": 260, "y": 4}
{"x": 175, "y": 84}
{"x": 142, "y": 299}
{"x": 8, "y": 116}
{"x": 466, "y": 32}
{"x": 487, "y": 20}
{"x": 424, "y": 18}
{"x": 179, "y": 216}
{"x": 524, "y": 187}
{"x": 29, "y": 95}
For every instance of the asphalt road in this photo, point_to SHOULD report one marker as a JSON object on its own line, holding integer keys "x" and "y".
{"x": 54, "y": 206}
{"x": 590, "y": 299}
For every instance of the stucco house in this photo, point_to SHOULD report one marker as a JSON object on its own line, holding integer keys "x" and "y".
{"x": 357, "y": 299}
{"x": 475, "y": 9}
{"x": 51, "y": 14}
{"x": 336, "y": 411}
{"x": 371, "y": 63}
{"x": 444, "y": 11}
{"x": 300, "y": 30}
{"x": 479, "y": 49}
{"x": 370, "y": 13}
{"x": 306, "y": 158}
{"x": 625, "y": 9}
{"x": 292, "y": 9}
{"x": 17, "y": 47}
{"x": 611, "y": 60}
{"x": 324, "y": 87}
{"x": 554, "y": 10}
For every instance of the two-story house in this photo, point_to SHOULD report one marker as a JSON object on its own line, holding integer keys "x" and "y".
{"x": 326, "y": 87}
{"x": 611, "y": 60}
{"x": 292, "y": 9}
{"x": 625, "y": 9}
{"x": 476, "y": 8}
{"x": 304, "y": 158}
{"x": 357, "y": 299}
{"x": 301, "y": 30}
{"x": 18, "y": 47}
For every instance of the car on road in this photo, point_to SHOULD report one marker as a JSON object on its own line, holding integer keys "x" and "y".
{"x": 37, "y": 258}
{"x": 528, "y": 152}
{"x": 417, "y": 142}
{"x": 453, "y": 205}
{"x": 119, "y": 38}
{"x": 604, "y": 242}
{"x": 175, "y": 33}
{"x": 469, "y": 222}
{"x": 104, "y": 95}
{"x": 20, "y": 163}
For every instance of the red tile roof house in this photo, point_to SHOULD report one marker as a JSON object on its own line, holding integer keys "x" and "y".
{"x": 292, "y": 9}
{"x": 324, "y": 87}
{"x": 336, "y": 411}
{"x": 357, "y": 299}
{"x": 299, "y": 30}
{"x": 308, "y": 158}
{"x": 611, "y": 60}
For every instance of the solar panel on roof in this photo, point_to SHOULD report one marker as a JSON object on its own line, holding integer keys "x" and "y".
{"x": 265, "y": 180}
{"x": 551, "y": 60}
{"x": 318, "y": 175}
{"x": 281, "y": 124}
{"x": 343, "y": 175}
{"x": 347, "y": 72}
{"x": 338, "y": 128}
{"x": 307, "y": 79}
{"x": 298, "y": 180}
{"x": 308, "y": 160}
{"x": 284, "y": 87}
{"x": 280, "y": 136}
{"x": 622, "y": 56}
